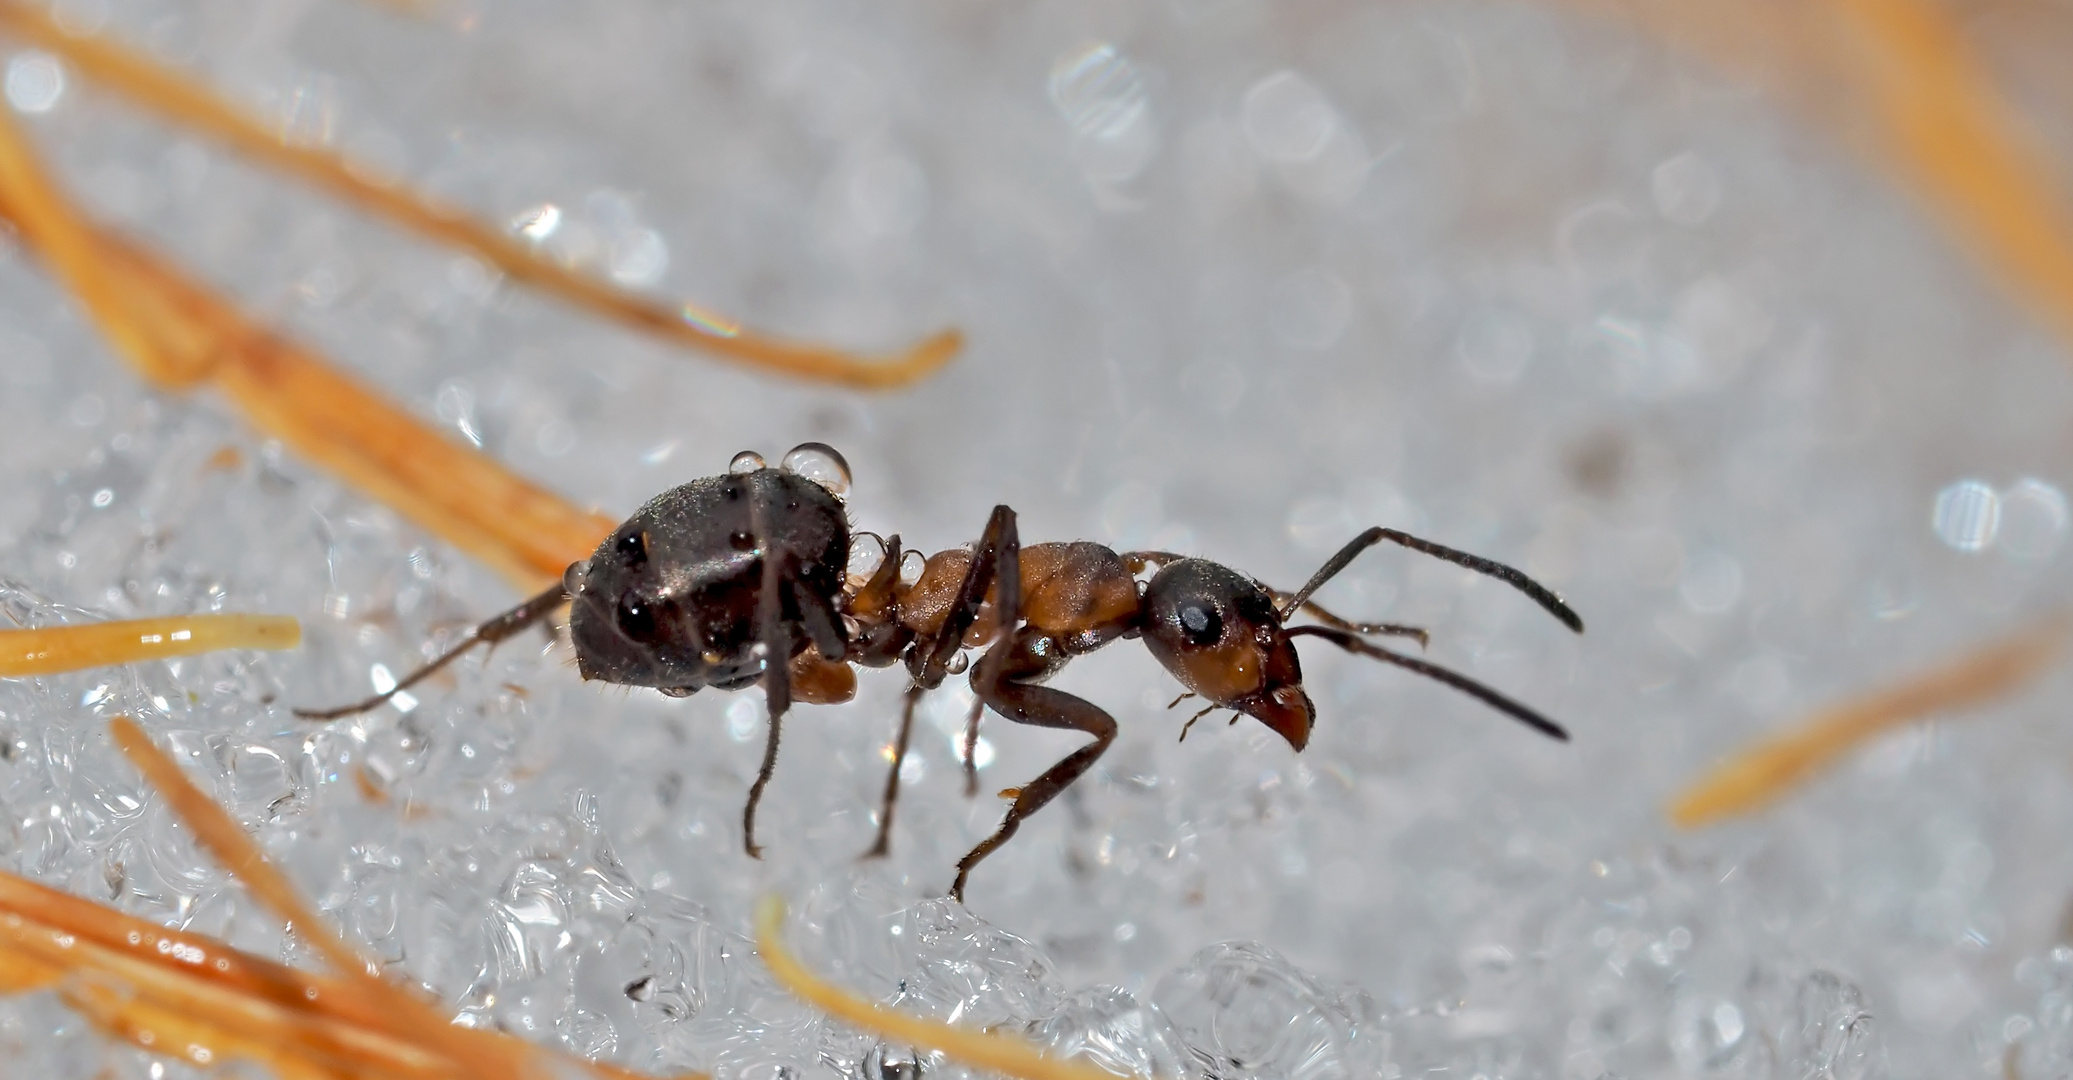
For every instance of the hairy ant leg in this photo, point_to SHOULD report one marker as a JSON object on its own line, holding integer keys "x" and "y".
{"x": 497, "y": 629}
{"x": 1040, "y": 706}
{"x": 968, "y": 752}
{"x": 774, "y": 638}
{"x": 1007, "y": 577}
{"x": 1354, "y": 644}
{"x": 929, "y": 662}
{"x": 883, "y": 844}
{"x": 1539, "y": 593}
{"x": 1021, "y": 653}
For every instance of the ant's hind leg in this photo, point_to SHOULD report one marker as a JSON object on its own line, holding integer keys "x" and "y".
{"x": 1041, "y": 706}
{"x": 892, "y": 779}
{"x": 509, "y": 624}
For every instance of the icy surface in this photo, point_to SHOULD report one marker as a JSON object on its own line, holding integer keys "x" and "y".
{"x": 1240, "y": 278}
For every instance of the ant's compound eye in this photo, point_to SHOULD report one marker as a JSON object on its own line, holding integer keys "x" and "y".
{"x": 1202, "y": 623}
{"x": 742, "y": 540}
{"x": 820, "y": 463}
{"x": 637, "y": 618}
{"x": 633, "y": 547}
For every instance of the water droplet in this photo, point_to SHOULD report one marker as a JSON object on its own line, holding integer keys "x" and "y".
{"x": 35, "y": 82}
{"x": 882, "y": 1064}
{"x": 1837, "y": 1035}
{"x": 958, "y": 663}
{"x": 1241, "y": 1001}
{"x": 747, "y": 461}
{"x": 1097, "y": 90}
{"x": 538, "y": 223}
{"x": 1706, "y": 1034}
{"x": 1967, "y": 516}
{"x": 1287, "y": 119}
{"x": 1109, "y": 1027}
{"x": 2033, "y": 520}
{"x": 864, "y": 559}
{"x": 1102, "y": 98}
{"x": 639, "y": 258}
{"x": 820, "y": 463}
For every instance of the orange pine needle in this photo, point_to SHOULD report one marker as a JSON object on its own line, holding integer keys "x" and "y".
{"x": 51, "y": 649}
{"x": 222, "y": 837}
{"x": 181, "y": 100}
{"x": 1950, "y": 128}
{"x": 175, "y": 330}
{"x": 225, "y": 840}
{"x": 1898, "y": 79}
{"x": 1768, "y": 771}
{"x": 985, "y": 1050}
{"x": 48, "y": 223}
{"x": 198, "y": 998}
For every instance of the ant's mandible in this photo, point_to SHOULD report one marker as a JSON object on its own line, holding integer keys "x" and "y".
{"x": 710, "y": 581}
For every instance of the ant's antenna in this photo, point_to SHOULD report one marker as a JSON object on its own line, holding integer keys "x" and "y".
{"x": 1541, "y": 594}
{"x": 1458, "y": 681}
{"x": 490, "y": 633}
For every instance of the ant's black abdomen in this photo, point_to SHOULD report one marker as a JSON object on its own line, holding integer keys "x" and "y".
{"x": 670, "y": 599}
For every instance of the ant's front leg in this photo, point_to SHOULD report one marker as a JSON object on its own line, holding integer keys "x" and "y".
{"x": 933, "y": 666}
{"x": 774, "y": 637}
{"x": 999, "y": 685}
{"x": 507, "y": 625}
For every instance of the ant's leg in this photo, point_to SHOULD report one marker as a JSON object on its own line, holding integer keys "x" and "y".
{"x": 1458, "y": 681}
{"x": 1007, "y": 576}
{"x": 1027, "y": 703}
{"x": 1325, "y": 616}
{"x": 892, "y": 779}
{"x": 509, "y": 624}
{"x": 979, "y": 577}
{"x": 823, "y": 625}
{"x": 1540, "y": 594}
{"x": 775, "y": 640}
{"x": 971, "y": 749}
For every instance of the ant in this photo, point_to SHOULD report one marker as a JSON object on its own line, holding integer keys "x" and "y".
{"x": 743, "y": 578}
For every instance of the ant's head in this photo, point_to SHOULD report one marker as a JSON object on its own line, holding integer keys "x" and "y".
{"x": 671, "y": 598}
{"x": 1219, "y": 633}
